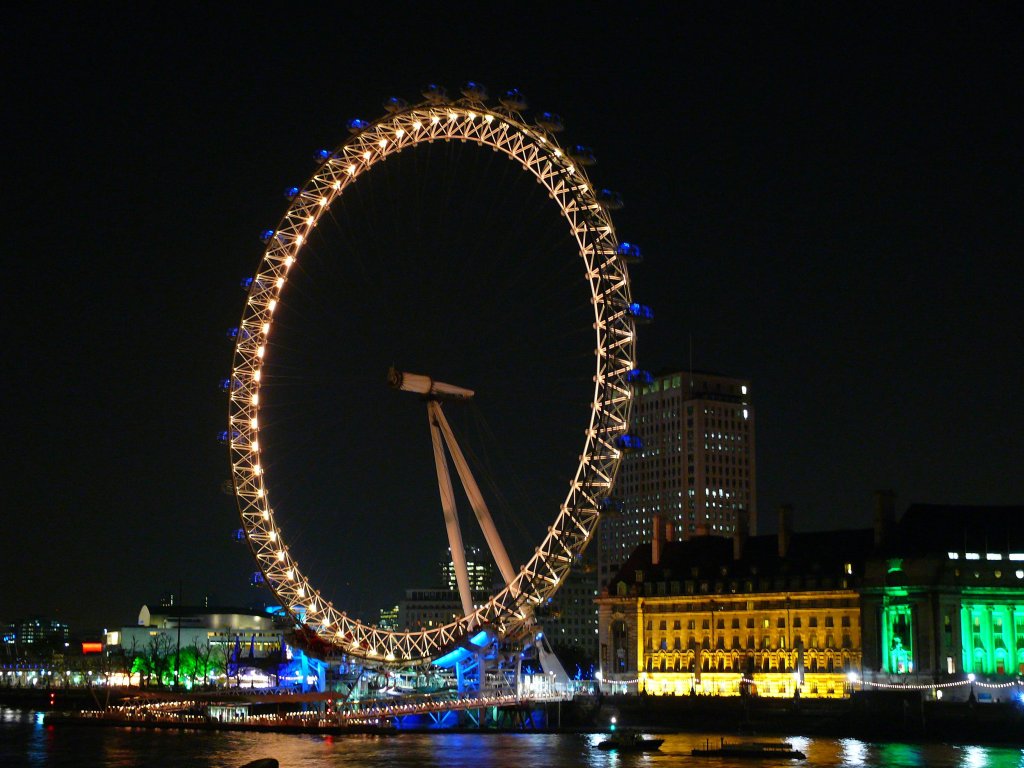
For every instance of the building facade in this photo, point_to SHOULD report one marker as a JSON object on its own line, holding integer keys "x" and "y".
{"x": 219, "y": 630}
{"x": 696, "y": 467}
{"x": 934, "y": 602}
{"x": 765, "y": 615}
{"x": 944, "y": 597}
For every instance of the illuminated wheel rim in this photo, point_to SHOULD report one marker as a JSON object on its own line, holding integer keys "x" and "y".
{"x": 586, "y": 213}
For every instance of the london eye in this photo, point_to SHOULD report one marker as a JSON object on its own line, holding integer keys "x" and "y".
{"x": 586, "y": 213}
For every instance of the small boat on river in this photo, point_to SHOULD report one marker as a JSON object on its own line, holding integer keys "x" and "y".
{"x": 630, "y": 741}
{"x": 751, "y": 749}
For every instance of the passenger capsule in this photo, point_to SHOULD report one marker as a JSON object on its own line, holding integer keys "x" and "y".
{"x": 257, "y": 579}
{"x": 629, "y": 443}
{"x": 322, "y": 155}
{"x": 226, "y": 385}
{"x": 549, "y": 121}
{"x": 395, "y": 104}
{"x": 629, "y": 253}
{"x": 239, "y": 535}
{"x": 226, "y": 437}
{"x": 291, "y": 193}
{"x": 232, "y": 333}
{"x": 246, "y": 283}
{"x": 355, "y": 125}
{"x": 609, "y": 199}
{"x": 640, "y": 312}
{"x": 267, "y": 235}
{"x": 582, "y": 155}
{"x": 638, "y": 376}
{"x": 513, "y": 99}
{"x": 227, "y": 488}
{"x": 435, "y": 94}
{"x": 474, "y": 91}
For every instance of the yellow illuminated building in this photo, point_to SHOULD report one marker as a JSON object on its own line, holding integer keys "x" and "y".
{"x": 766, "y": 616}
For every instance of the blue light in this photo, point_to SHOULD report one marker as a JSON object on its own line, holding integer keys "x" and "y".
{"x": 435, "y": 93}
{"x": 550, "y": 121}
{"x": 357, "y": 126}
{"x": 475, "y": 91}
{"x": 582, "y": 155}
{"x": 630, "y": 252}
{"x": 514, "y": 99}
{"x": 225, "y": 437}
{"x": 246, "y": 283}
{"x": 480, "y": 639}
{"x": 266, "y": 235}
{"x": 629, "y": 443}
{"x": 233, "y": 333}
{"x": 291, "y": 193}
{"x": 452, "y": 658}
{"x": 323, "y": 155}
{"x": 257, "y": 578}
{"x": 641, "y": 312}
{"x": 609, "y": 199}
{"x": 239, "y": 535}
{"x": 638, "y": 376}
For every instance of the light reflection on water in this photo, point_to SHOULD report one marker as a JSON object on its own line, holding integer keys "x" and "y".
{"x": 26, "y": 742}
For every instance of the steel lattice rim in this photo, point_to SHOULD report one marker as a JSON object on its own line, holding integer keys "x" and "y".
{"x": 590, "y": 223}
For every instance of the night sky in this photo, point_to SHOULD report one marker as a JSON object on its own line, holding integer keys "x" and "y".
{"x": 829, "y": 204}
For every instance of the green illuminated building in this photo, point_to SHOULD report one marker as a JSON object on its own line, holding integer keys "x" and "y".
{"x": 943, "y": 597}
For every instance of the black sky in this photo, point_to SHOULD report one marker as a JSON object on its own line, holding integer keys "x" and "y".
{"x": 829, "y": 201}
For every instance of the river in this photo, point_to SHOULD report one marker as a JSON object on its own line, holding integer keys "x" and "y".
{"x": 26, "y": 741}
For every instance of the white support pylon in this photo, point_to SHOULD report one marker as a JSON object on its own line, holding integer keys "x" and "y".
{"x": 451, "y": 519}
{"x": 476, "y": 500}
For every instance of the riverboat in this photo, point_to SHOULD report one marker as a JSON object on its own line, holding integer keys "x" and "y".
{"x": 751, "y": 749}
{"x": 630, "y": 741}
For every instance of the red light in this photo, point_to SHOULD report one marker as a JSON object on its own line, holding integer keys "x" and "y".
{"x": 92, "y": 648}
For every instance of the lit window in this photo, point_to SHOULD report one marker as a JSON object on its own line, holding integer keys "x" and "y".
{"x": 954, "y": 555}
{"x": 972, "y": 556}
{"x": 993, "y": 556}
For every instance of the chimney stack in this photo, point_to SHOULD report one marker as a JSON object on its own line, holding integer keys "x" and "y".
{"x": 785, "y": 528}
{"x": 658, "y": 539}
{"x": 739, "y": 536}
{"x": 885, "y": 515}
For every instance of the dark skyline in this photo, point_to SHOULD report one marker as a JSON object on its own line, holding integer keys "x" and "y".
{"x": 829, "y": 204}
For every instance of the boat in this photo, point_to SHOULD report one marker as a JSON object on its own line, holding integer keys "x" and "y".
{"x": 630, "y": 741}
{"x": 751, "y": 749}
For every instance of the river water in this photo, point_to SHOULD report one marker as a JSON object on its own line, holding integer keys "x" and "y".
{"x": 26, "y": 741}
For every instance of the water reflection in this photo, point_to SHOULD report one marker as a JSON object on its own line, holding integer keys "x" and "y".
{"x": 974, "y": 757}
{"x": 23, "y": 742}
{"x": 853, "y": 752}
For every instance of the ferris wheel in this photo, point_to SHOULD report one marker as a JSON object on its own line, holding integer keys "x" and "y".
{"x": 586, "y": 212}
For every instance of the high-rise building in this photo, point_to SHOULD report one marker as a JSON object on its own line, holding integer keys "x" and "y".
{"x": 479, "y": 570}
{"x": 695, "y": 466}
{"x": 570, "y": 616}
